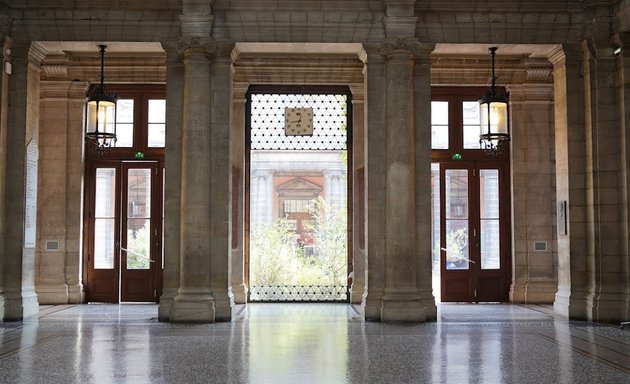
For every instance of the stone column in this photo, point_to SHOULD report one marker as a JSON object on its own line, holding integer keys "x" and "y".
{"x": 534, "y": 271}
{"x": 4, "y": 106}
{"x": 602, "y": 183}
{"x": 194, "y": 301}
{"x": 221, "y": 186}
{"x": 60, "y": 169}
{"x": 172, "y": 179}
{"x": 375, "y": 183}
{"x": 423, "y": 207}
{"x": 357, "y": 289}
{"x": 261, "y": 193}
{"x": 237, "y": 275}
{"x": 570, "y": 149}
{"x": 19, "y": 171}
{"x": 333, "y": 188}
{"x": 623, "y": 87}
{"x": 401, "y": 300}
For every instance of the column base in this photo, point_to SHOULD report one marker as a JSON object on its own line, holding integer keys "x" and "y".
{"x": 357, "y": 291}
{"x": 573, "y": 305}
{"x": 192, "y": 307}
{"x": 239, "y": 293}
{"x": 609, "y": 307}
{"x": 52, "y": 293}
{"x": 407, "y": 308}
{"x": 76, "y": 294}
{"x": 371, "y": 307}
{"x": 222, "y": 306}
{"x": 166, "y": 301}
{"x": 17, "y": 306}
{"x": 534, "y": 292}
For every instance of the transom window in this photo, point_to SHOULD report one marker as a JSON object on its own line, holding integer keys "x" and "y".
{"x": 140, "y": 122}
{"x": 455, "y": 123}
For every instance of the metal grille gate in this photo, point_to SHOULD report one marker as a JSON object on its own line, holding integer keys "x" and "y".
{"x": 265, "y": 119}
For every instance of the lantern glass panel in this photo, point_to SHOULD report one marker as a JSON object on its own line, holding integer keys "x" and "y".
{"x": 496, "y": 119}
{"x": 101, "y": 116}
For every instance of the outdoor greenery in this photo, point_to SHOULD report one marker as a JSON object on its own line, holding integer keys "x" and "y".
{"x": 276, "y": 257}
{"x": 138, "y": 242}
{"x": 457, "y": 244}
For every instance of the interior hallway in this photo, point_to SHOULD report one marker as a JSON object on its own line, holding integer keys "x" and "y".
{"x": 310, "y": 343}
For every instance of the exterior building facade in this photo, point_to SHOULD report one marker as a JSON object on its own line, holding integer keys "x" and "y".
{"x": 563, "y": 62}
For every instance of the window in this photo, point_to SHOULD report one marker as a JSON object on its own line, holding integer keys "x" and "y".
{"x": 140, "y": 123}
{"x": 455, "y": 124}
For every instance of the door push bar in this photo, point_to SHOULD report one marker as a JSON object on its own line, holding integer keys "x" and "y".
{"x": 458, "y": 255}
{"x": 137, "y": 254}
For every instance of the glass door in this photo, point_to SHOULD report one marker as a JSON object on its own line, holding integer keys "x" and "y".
{"x": 473, "y": 246}
{"x": 140, "y": 243}
{"x": 124, "y": 226}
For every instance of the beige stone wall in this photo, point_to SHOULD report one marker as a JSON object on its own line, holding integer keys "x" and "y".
{"x": 60, "y": 199}
{"x": 534, "y": 272}
{"x": 18, "y": 256}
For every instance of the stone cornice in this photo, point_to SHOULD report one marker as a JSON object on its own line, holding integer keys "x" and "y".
{"x": 531, "y": 93}
{"x": 55, "y": 71}
{"x": 538, "y": 70}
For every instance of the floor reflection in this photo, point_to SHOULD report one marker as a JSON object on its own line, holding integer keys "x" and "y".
{"x": 297, "y": 340}
{"x": 310, "y": 343}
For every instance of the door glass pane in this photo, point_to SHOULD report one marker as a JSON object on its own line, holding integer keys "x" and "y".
{"x": 489, "y": 211}
{"x": 456, "y": 213}
{"x": 157, "y": 123}
{"x": 138, "y": 218}
{"x": 435, "y": 211}
{"x": 470, "y": 113}
{"x": 124, "y": 123}
{"x": 104, "y": 218}
{"x": 439, "y": 124}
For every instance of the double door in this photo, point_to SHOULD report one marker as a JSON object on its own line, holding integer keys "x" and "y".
{"x": 123, "y": 231}
{"x": 474, "y": 224}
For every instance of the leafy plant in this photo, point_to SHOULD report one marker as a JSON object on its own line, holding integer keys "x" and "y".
{"x": 276, "y": 257}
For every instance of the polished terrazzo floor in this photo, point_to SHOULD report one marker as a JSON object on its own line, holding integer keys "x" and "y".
{"x": 311, "y": 343}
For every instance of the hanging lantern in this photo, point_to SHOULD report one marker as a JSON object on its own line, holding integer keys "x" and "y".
{"x": 100, "y": 114}
{"x": 494, "y": 116}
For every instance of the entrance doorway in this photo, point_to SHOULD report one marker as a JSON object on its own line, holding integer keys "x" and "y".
{"x": 470, "y": 193}
{"x": 123, "y": 209}
{"x": 297, "y": 217}
{"x": 124, "y": 252}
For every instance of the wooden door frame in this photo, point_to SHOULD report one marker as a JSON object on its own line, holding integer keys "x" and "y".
{"x": 155, "y": 230}
{"x": 89, "y": 272}
{"x": 88, "y": 225}
{"x": 478, "y": 159}
{"x": 504, "y": 273}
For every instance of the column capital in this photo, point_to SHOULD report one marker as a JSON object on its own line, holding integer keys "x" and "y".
{"x": 567, "y": 54}
{"x": 406, "y": 46}
{"x": 358, "y": 91}
{"x": 239, "y": 90}
{"x": 400, "y": 46}
{"x": 192, "y": 44}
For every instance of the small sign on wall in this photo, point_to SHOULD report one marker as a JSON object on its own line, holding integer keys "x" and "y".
{"x": 562, "y": 218}
{"x": 30, "y": 193}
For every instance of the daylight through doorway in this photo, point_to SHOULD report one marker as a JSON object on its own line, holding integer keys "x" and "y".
{"x": 298, "y": 193}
